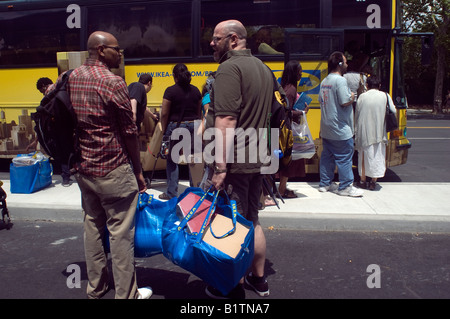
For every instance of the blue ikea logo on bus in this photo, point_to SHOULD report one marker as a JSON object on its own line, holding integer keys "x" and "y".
{"x": 309, "y": 83}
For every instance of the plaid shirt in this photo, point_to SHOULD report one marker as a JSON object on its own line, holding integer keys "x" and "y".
{"x": 103, "y": 108}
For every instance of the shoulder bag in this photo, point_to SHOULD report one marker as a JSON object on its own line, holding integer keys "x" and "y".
{"x": 390, "y": 118}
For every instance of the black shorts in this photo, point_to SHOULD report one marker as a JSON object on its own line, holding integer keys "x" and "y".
{"x": 246, "y": 191}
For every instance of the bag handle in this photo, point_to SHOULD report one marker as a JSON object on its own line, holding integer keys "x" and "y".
{"x": 233, "y": 218}
{"x": 211, "y": 211}
{"x": 144, "y": 200}
{"x": 387, "y": 104}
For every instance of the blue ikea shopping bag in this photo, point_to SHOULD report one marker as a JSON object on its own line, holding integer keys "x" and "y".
{"x": 148, "y": 219}
{"x": 28, "y": 179}
{"x": 192, "y": 253}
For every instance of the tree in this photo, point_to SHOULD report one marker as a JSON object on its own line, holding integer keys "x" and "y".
{"x": 430, "y": 16}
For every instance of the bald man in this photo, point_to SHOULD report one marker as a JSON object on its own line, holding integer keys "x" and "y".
{"x": 241, "y": 99}
{"x": 109, "y": 172}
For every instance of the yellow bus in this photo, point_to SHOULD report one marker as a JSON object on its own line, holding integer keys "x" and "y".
{"x": 155, "y": 35}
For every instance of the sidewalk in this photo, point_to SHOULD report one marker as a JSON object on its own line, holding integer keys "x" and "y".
{"x": 412, "y": 207}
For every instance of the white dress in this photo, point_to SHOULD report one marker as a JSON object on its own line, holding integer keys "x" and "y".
{"x": 374, "y": 160}
{"x": 370, "y": 132}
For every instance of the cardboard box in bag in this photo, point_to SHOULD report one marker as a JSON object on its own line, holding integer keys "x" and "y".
{"x": 184, "y": 207}
{"x": 230, "y": 245}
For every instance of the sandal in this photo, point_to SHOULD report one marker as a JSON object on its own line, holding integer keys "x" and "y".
{"x": 362, "y": 185}
{"x": 372, "y": 186}
{"x": 164, "y": 196}
{"x": 269, "y": 202}
{"x": 289, "y": 194}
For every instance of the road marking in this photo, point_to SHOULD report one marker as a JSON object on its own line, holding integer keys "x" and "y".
{"x": 428, "y": 127}
{"x": 62, "y": 241}
{"x": 428, "y": 138}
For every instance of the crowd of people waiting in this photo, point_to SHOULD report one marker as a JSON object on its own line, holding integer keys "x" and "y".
{"x": 110, "y": 114}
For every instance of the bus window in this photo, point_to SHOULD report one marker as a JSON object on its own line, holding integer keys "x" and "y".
{"x": 314, "y": 44}
{"x": 367, "y": 51}
{"x": 146, "y": 30}
{"x": 34, "y": 37}
{"x": 265, "y": 21}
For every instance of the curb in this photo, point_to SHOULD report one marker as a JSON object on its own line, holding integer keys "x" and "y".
{"x": 285, "y": 221}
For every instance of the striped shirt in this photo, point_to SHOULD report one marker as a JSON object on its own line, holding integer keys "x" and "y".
{"x": 104, "y": 113}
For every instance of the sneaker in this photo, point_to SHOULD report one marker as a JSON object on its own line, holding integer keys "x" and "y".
{"x": 66, "y": 182}
{"x": 330, "y": 188}
{"x": 351, "y": 191}
{"x": 145, "y": 293}
{"x": 164, "y": 196}
{"x": 258, "y": 284}
{"x": 237, "y": 292}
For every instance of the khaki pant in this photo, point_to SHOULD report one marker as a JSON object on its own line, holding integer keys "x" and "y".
{"x": 110, "y": 201}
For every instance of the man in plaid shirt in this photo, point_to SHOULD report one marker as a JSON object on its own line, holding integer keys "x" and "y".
{"x": 109, "y": 174}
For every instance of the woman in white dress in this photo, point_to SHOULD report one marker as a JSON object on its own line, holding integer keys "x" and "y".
{"x": 370, "y": 133}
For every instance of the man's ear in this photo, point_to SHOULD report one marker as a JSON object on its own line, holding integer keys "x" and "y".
{"x": 100, "y": 50}
{"x": 234, "y": 41}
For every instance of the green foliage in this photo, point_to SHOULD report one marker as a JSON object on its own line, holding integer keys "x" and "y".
{"x": 421, "y": 80}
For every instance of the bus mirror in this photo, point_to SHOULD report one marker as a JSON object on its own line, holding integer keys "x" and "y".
{"x": 427, "y": 49}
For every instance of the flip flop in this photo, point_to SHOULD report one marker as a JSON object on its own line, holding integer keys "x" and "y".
{"x": 289, "y": 194}
{"x": 269, "y": 202}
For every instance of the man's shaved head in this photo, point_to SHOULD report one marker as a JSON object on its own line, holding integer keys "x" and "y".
{"x": 101, "y": 46}
{"x": 98, "y": 38}
{"x": 233, "y": 26}
{"x": 228, "y": 35}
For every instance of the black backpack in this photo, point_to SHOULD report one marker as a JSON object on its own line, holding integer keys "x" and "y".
{"x": 56, "y": 124}
{"x": 281, "y": 117}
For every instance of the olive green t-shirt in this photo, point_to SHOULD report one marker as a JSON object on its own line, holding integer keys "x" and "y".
{"x": 243, "y": 88}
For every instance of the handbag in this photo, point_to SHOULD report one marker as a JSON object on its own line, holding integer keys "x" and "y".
{"x": 390, "y": 118}
{"x": 303, "y": 142}
{"x": 165, "y": 147}
{"x": 149, "y": 219}
{"x": 216, "y": 255}
{"x": 30, "y": 173}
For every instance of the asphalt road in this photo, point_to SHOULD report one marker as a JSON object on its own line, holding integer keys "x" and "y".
{"x": 429, "y": 156}
{"x": 300, "y": 265}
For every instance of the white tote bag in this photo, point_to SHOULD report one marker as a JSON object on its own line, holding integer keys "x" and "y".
{"x": 303, "y": 142}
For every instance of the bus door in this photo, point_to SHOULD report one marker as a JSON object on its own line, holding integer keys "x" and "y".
{"x": 374, "y": 52}
{"x": 312, "y": 47}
